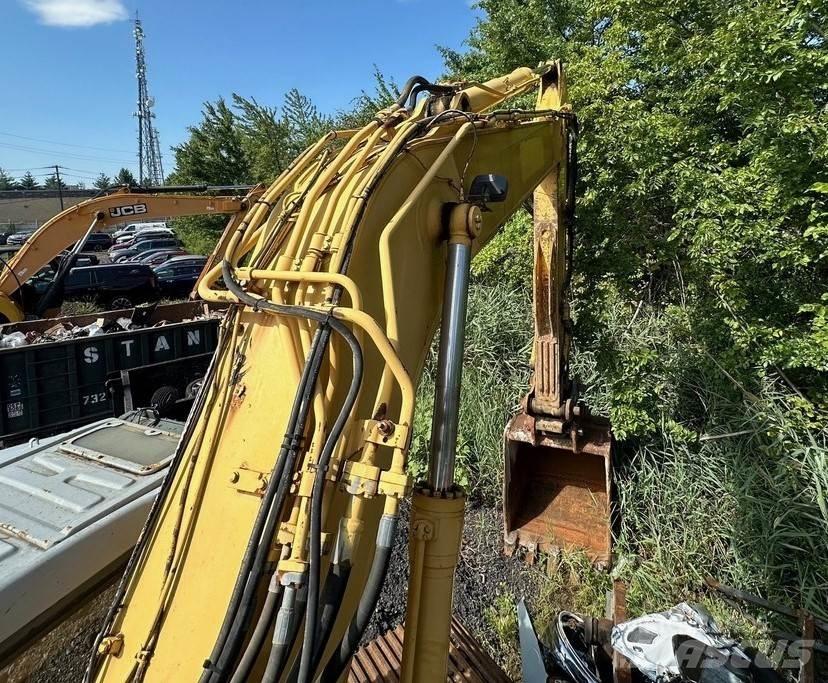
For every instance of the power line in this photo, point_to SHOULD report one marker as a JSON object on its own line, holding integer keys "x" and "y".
{"x": 59, "y": 153}
{"x": 30, "y": 168}
{"x": 64, "y": 144}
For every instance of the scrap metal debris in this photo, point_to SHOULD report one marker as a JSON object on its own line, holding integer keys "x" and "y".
{"x": 661, "y": 645}
{"x": 683, "y": 644}
{"x": 67, "y": 329}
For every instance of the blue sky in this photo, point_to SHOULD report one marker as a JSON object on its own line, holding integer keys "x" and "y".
{"x": 68, "y": 65}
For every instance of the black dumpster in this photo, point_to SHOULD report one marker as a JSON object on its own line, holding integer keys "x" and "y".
{"x": 47, "y": 388}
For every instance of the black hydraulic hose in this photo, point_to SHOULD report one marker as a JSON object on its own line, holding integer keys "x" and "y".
{"x": 155, "y": 510}
{"x": 408, "y": 87}
{"x": 282, "y": 636}
{"x": 367, "y": 603}
{"x": 328, "y": 322}
{"x": 262, "y": 630}
{"x": 428, "y": 87}
{"x": 334, "y": 588}
{"x": 315, "y": 551}
{"x": 264, "y": 525}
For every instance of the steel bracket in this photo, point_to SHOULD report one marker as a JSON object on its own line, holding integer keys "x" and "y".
{"x": 247, "y": 480}
{"x": 361, "y": 479}
{"x": 394, "y": 484}
{"x": 385, "y": 433}
{"x": 111, "y": 645}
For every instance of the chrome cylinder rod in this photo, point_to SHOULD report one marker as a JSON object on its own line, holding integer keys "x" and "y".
{"x": 449, "y": 369}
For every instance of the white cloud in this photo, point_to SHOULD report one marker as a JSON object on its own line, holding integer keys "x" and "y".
{"x": 77, "y": 12}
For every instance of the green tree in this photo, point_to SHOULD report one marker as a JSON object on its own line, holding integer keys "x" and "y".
{"x": 102, "y": 182}
{"x": 6, "y": 181}
{"x": 28, "y": 182}
{"x": 365, "y": 106}
{"x": 304, "y": 122}
{"x": 52, "y": 183}
{"x": 265, "y": 138}
{"x": 215, "y": 151}
{"x": 704, "y": 143}
{"x": 125, "y": 177}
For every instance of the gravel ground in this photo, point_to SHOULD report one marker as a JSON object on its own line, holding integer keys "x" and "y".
{"x": 482, "y": 574}
{"x": 61, "y": 655}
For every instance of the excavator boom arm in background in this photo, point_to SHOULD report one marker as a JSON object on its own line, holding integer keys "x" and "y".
{"x": 99, "y": 213}
{"x": 266, "y": 549}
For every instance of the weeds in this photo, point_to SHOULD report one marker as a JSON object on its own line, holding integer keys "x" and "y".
{"x": 720, "y": 470}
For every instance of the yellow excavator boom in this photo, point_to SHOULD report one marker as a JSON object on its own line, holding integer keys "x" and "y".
{"x": 99, "y": 213}
{"x": 264, "y": 554}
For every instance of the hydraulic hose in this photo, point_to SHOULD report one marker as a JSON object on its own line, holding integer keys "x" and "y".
{"x": 408, "y": 87}
{"x": 327, "y": 323}
{"x": 282, "y": 637}
{"x": 308, "y": 645}
{"x": 255, "y": 555}
{"x": 367, "y": 603}
{"x": 335, "y": 584}
{"x": 254, "y": 646}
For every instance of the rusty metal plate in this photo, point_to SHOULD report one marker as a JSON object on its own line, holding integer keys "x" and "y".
{"x": 557, "y": 491}
{"x": 380, "y": 660}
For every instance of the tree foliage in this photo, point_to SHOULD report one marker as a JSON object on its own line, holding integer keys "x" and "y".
{"x": 102, "y": 182}
{"x": 125, "y": 177}
{"x": 704, "y": 142}
{"x": 53, "y": 183}
{"x": 28, "y": 182}
{"x": 245, "y": 142}
{"x": 7, "y": 182}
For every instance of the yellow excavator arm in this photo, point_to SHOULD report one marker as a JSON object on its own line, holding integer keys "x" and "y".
{"x": 264, "y": 554}
{"x": 99, "y": 213}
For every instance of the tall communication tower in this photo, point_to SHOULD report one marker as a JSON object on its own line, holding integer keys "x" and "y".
{"x": 150, "y": 170}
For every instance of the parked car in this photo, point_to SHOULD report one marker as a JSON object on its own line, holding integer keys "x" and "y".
{"x": 139, "y": 258}
{"x": 134, "y": 228}
{"x": 98, "y": 241}
{"x": 18, "y": 238}
{"x": 80, "y": 260}
{"x": 156, "y": 258}
{"x": 177, "y": 278}
{"x": 140, "y": 237}
{"x": 188, "y": 258}
{"x": 112, "y": 285}
{"x": 147, "y": 245}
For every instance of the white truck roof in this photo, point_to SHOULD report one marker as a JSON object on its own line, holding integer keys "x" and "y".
{"x": 71, "y": 508}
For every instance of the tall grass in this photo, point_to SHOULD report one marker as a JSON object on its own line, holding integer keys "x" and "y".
{"x": 495, "y": 379}
{"x": 746, "y": 505}
{"x": 715, "y": 475}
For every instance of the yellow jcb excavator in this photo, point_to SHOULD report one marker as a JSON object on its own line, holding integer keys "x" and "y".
{"x": 72, "y": 226}
{"x": 265, "y": 552}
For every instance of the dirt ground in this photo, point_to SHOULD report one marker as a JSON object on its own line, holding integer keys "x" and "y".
{"x": 482, "y": 574}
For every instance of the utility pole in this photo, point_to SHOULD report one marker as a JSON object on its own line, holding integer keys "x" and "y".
{"x": 59, "y": 185}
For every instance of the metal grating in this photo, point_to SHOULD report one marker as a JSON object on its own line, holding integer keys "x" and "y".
{"x": 379, "y": 661}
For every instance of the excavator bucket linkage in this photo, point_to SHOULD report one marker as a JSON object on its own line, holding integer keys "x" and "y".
{"x": 557, "y": 458}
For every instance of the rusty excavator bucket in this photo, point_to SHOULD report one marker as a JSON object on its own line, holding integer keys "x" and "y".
{"x": 557, "y": 458}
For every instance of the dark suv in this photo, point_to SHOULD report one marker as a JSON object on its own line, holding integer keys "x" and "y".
{"x": 98, "y": 241}
{"x": 177, "y": 278}
{"x": 112, "y": 285}
{"x": 146, "y": 245}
